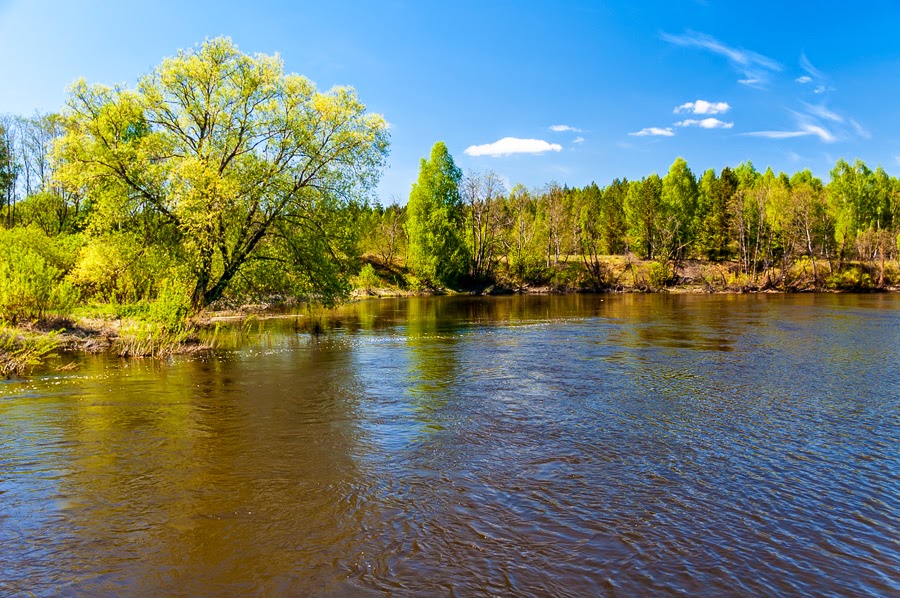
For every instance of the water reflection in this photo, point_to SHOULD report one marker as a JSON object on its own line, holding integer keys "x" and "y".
{"x": 561, "y": 446}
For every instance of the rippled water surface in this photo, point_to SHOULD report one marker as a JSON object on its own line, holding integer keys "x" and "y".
{"x": 548, "y": 446}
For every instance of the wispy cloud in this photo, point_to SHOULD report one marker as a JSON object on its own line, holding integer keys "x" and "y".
{"x": 512, "y": 145}
{"x": 776, "y": 134}
{"x": 703, "y": 107}
{"x": 563, "y": 170}
{"x": 809, "y": 68}
{"x": 843, "y": 127}
{"x": 805, "y": 130}
{"x": 753, "y": 67}
{"x": 860, "y": 130}
{"x": 654, "y": 131}
{"x": 578, "y": 140}
{"x": 823, "y": 112}
{"x": 813, "y": 75}
{"x": 706, "y": 123}
{"x": 822, "y": 133}
{"x": 564, "y": 128}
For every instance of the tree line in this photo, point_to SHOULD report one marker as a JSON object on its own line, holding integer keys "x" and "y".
{"x": 767, "y": 230}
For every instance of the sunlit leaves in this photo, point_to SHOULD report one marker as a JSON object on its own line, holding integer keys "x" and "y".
{"x": 214, "y": 151}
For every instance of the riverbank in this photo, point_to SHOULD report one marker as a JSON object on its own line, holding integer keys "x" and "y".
{"x": 32, "y": 344}
{"x": 625, "y": 274}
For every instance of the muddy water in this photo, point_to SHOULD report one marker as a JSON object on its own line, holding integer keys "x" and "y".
{"x": 563, "y": 446}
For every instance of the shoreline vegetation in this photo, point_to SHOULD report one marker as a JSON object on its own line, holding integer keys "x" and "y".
{"x": 132, "y": 220}
{"x": 29, "y": 345}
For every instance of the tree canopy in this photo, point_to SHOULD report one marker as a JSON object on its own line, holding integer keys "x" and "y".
{"x": 434, "y": 219}
{"x": 228, "y": 160}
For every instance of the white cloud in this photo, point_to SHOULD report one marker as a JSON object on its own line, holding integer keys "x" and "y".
{"x": 654, "y": 131}
{"x": 564, "y": 128}
{"x": 823, "y": 112}
{"x": 803, "y": 79}
{"x": 777, "y": 134}
{"x": 823, "y": 134}
{"x": 512, "y": 145}
{"x": 706, "y": 123}
{"x": 809, "y": 68}
{"x": 820, "y": 89}
{"x": 805, "y": 130}
{"x": 703, "y": 107}
{"x": 578, "y": 140}
{"x": 860, "y": 130}
{"x": 753, "y": 67}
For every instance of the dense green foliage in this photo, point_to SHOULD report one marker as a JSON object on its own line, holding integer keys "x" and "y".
{"x": 220, "y": 161}
{"x": 434, "y": 220}
{"x": 767, "y": 230}
{"x": 32, "y": 283}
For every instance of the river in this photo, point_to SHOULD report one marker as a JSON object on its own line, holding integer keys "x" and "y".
{"x": 463, "y": 446}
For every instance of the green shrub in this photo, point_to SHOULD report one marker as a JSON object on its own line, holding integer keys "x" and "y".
{"x": 31, "y": 276}
{"x": 659, "y": 275}
{"x": 850, "y": 278}
{"x": 171, "y": 306}
{"x": 367, "y": 279}
{"x": 568, "y": 276}
{"x": 413, "y": 283}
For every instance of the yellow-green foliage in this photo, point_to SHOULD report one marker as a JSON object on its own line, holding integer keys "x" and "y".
{"x": 20, "y": 351}
{"x": 245, "y": 187}
{"x": 850, "y": 278}
{"x": 659, "y": 274}
{"x": 413, "y": 283}
{"x": 171, "y": 306}
{"x": 31, "y": 274}
{"x": 120, "y": 268}
{"x": 164, "y": 329}
{"x": 367, "y": 279}
{"x": 739, "y": 281}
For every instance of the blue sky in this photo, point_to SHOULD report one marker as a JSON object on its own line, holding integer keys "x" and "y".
{"x": 537, "y": 91}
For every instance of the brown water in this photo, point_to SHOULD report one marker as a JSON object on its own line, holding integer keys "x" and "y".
{"x": 545, "y": 446}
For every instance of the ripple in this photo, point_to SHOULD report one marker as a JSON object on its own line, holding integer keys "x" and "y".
{"x": 561, "y": 446}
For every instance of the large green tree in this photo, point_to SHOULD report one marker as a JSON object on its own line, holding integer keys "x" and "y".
{"x": 679, "y": 205}
{"x": 434, "y": 220}
{"x": 230, "y": 160}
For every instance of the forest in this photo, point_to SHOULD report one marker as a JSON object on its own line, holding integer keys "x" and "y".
{"x": 220, "y": 181}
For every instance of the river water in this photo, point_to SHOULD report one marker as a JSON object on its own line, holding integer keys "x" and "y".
{"x": 459, "y": 446}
